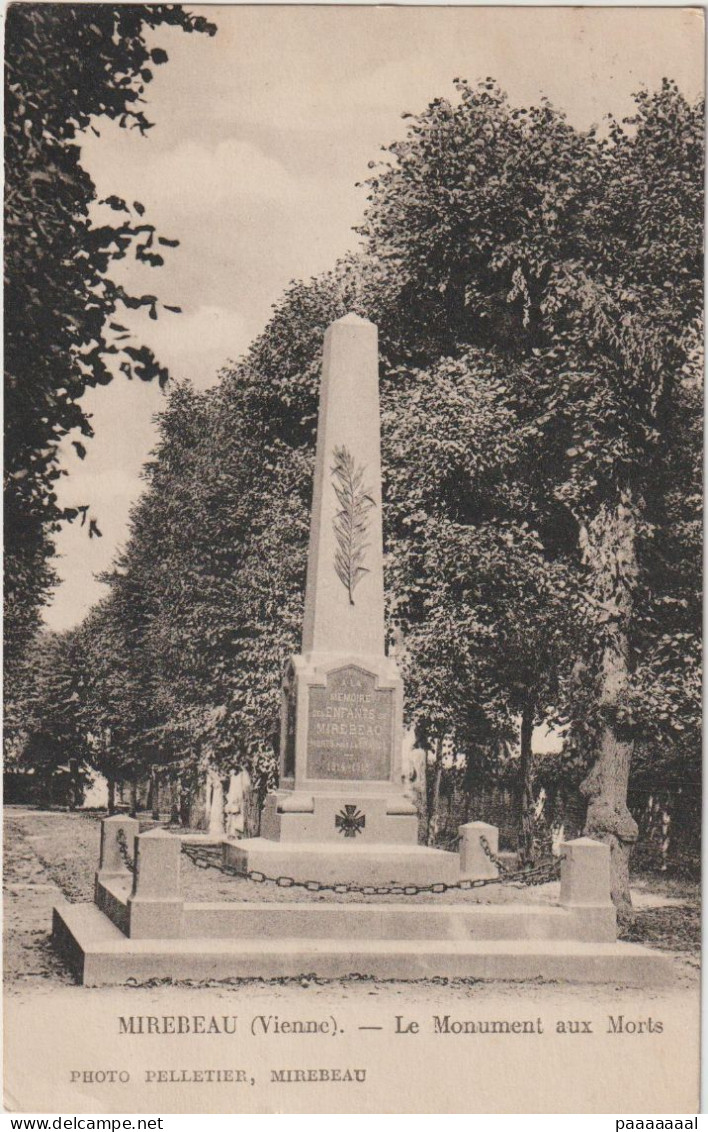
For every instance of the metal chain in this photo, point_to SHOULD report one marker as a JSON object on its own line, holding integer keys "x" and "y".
{"x": 539, "y": 874}
{"x": 489, "y": 852}
{"x": 128, "y": 861}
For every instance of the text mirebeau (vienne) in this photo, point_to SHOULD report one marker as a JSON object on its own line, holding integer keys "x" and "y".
{"x": 275, "y": 1025}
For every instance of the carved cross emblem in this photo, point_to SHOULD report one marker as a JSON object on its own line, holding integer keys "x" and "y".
{"x": 350, "y": 821}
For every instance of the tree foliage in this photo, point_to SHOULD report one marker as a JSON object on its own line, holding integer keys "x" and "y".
{"x": 42, "y": 731}
{"x": 576, "y": 258}
{"x": 67, "y": 68}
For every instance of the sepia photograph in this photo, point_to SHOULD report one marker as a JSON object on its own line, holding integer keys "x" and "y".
{"x": 353, "y": 497}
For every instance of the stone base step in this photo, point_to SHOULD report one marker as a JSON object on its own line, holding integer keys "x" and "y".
{"x": 399, "y": 921}
{"x": 375, "y": 863}
{"x": 100, "y": 954}
{"x": 347, "y": 919}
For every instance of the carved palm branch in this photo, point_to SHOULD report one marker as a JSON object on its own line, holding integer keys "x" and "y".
{"x": 351, "y": 522}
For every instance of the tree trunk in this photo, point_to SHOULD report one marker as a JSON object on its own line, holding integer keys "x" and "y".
{"x": 175, "y": 795}
{"x": 422, "y": 796}
{"x": 215, "y": 803}
{"x": 48, "y": 790}
{"x": 253, "y": 798}
{"x": 134, "y": 796}
{"x": 413, "y": 777}
{"x": 185, "y": 807}
{"x": 610, "y": 551}
{"x": 111, "y": 795}
{"x": 527, "y": 848}
{"x": 154, "y": 794}
{"x": 249, "y": 807}
{"x": 73, "y": 784}
{"x": 234, "y": 804}
{"x": 608, "y": 818}
{"x": 434, "y": 794}
{"x": 199, "y": 799}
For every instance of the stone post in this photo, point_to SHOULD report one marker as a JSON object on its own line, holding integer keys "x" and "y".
{"x": 155, "y": 905}
{"x": 585, "y": 873}
{"x": 585, "y": 888}
{"x": 111, "y": 862}
{"x": 474, "y": 862}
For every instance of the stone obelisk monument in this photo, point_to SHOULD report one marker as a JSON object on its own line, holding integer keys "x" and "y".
{"x": 340, "y": 811}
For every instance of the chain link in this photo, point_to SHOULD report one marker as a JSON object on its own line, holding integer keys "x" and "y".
{"x": 489, "y": 852}
{"x": 128, "y": 861}
{"x": 541, "y": 873}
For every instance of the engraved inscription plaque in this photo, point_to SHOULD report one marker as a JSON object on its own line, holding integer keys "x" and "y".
{"x": 350, "y": 727}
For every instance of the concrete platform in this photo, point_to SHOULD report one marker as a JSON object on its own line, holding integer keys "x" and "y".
{"x": 363, "y": 863}
{"x": 99, "y": 954}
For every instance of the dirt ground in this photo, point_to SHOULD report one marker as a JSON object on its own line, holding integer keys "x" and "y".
{"x": 57, "y": 1032}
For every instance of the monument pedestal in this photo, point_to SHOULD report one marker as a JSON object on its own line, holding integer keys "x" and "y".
{"x": 340, "y": 766}
{"x": 340, "y": 734}
{"x": 340, "y": 813}
{"x": 351, "y": 817}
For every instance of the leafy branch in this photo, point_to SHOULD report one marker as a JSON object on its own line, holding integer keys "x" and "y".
{"x": 351, "y": 521}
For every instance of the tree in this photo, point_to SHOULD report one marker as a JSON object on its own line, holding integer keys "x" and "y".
{"x": 51, "y": 740}
{"x": 579, "y": 257}
{"x": 631, "y": 308}
{"x": 67, "y": 68}
{"x": 467, "y": 216}
{"x": 117, "y": 710}
{"x": 490, "y": 619}
{"x": 215, "y": 561}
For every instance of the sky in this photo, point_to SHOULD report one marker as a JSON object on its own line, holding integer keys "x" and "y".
{"x": 261, "y": 135}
